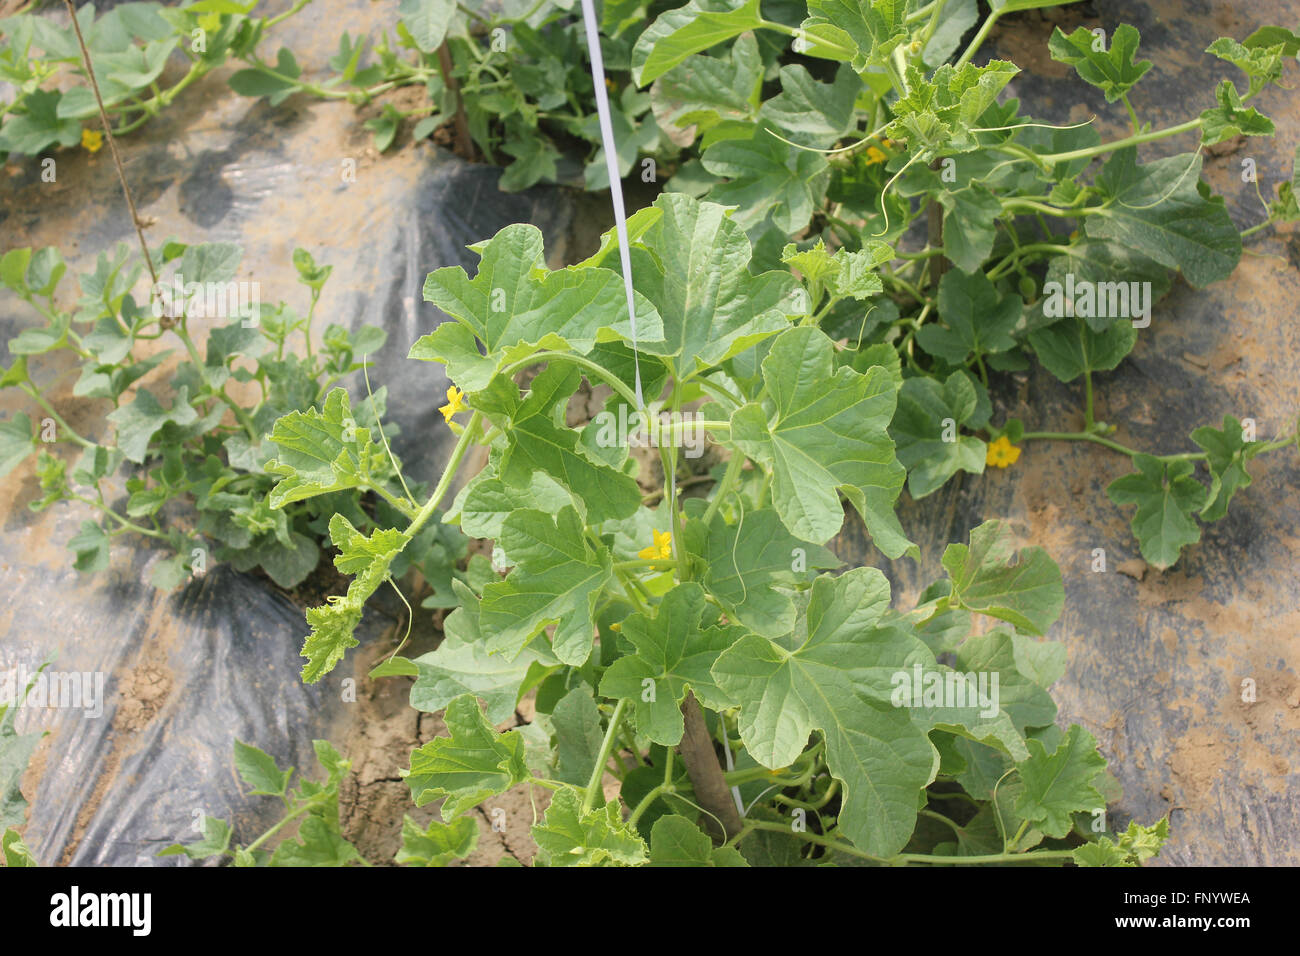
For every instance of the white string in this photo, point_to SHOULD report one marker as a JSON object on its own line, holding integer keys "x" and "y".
{"x": 615, "y": 183}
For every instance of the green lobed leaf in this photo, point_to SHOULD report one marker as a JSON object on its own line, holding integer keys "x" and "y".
{"x": 1027, "y": 593}
{"x": 438, "y": 843}
{"x": 977, "y": 320}
{"x": 536, "y": 443}
{"x": 1230, "y": 119}
{"x": 702, "y": 91}
{"x": 139, "y": 422}
{"x": 259, "y": 771}
{"x": 17, "y": 442}
{"x": 1112, "y": 70}
{"x": 515, "y": 306}
{"x": 469, "y": 765}
{"x": 676, "y": 841}
{"x": 767, "y": 178}
{"x": 1166, "y": 496}
{"x": 880, "y": 756}
{"x": 557, "y": 579}
{"x": 332, "y": 625}
{"x": 752, "y": 565}
{"x": 674, "y": 651}
{"x": 692, "y": 263}
{"x": 926, "y": 431}
{"x": 1227, "y": 452}
{"x": 1072, "y": 347}
{"x": 323, "y": 451}
{"x": 1157, "y": 210}
{"x": 1060, "y": 783}
{"x": 578, "y": 735}
{"x": 568, "y": 837}
{"x": 676, "y": 34}
{"x": 825, "y": 434}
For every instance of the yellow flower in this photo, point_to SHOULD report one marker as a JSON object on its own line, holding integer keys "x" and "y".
{"x": 875, "y": 156}
{"x": 616, "y": 626}
{"x": 1001, "y": 453}
{"x": 92, "y": 140}
{"x": 661, "y": 550}
{"x": 455, "y": 403}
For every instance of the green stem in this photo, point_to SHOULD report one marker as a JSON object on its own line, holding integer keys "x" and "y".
{"x": 978, "y": 41}
{"x": 58, "y": 420}
{"x": 1137, "y": 139}
{"x": 402, "y": 506}
{"x": 1087, "y": 393}
{"x": 647, "y": 800}
{"x": 444, "y": 483}
{"x": 128, "y": 525}
{"x": 1256, "y": 228}
{"x": 584, "y": 363}
{"x": 607, "y": 745}
{"x": 728, "y": 480}
{"x": 287, "y": 14}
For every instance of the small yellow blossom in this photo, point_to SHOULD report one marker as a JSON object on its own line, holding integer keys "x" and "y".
{"x": 455, "y": 403}
{"x": 1001, "y": 453}
{"x": 661, "y": 550}
{"x": 875, "y": 156}
{"x": 616, "y": 626}
{"x": 92, "y": 140}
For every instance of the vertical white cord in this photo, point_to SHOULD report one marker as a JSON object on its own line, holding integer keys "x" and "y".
{"x": 615, "y": 183}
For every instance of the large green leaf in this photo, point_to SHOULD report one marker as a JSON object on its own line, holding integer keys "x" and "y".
{"x": 768, "y": 177}
{"x": 1158, "y": 210}
{"x": 557, "y": 579}
{"x": 515, "y": 306}
{"x": 926, "y": 429}
{"x": 824, "y": 434}
{"x": 692, "y": 263}
{"x": 689, "y": 29}
{"x": 878, "y": 754}
{"x": 323, "y": 451}
{"x": 469, "y": 765}
{"x": 1027, "y": 593}
{"x": 674, "y": 651}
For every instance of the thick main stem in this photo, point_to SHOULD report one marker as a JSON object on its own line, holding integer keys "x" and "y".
{"x": 696, "y": 748}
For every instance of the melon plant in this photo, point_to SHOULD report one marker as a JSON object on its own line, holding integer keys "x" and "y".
{"x": 756, "y": 701}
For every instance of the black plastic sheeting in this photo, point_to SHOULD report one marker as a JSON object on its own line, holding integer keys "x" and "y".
{"x": 186, "y": 673}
